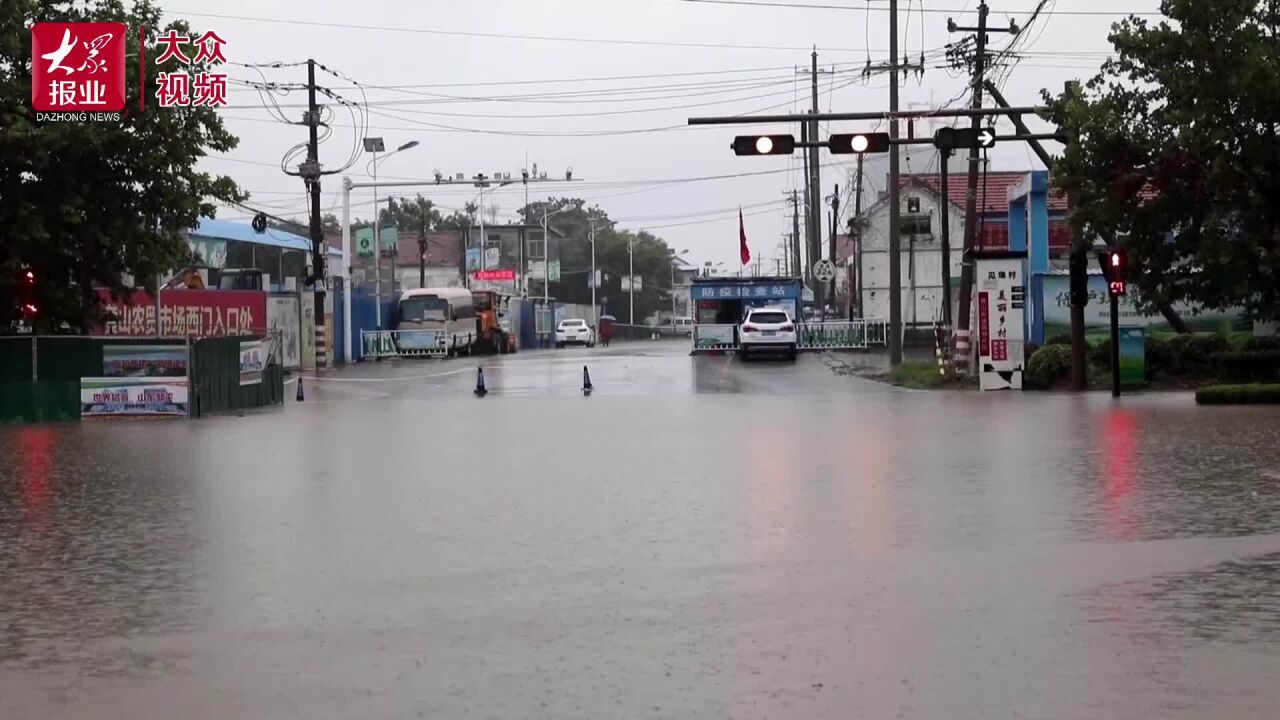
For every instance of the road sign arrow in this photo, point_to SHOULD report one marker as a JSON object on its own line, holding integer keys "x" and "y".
{"x": 986, "y": 138}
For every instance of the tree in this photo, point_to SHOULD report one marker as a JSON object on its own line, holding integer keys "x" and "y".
{"x": 86, "y": 204}
{"x": 573, "y": 219}
{"x": 459, "y": 220}
{"x": 417, "y": 215}
{"x": 1175, "y": 154}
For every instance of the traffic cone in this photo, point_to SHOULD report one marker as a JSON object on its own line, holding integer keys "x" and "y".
{"x": 299, "y": 396}
{"x": 586, "y": 381}
{"x": 480, "y": 391}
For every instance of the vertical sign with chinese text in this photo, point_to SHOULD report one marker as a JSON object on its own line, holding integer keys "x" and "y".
{"x": 1001, "y": 306}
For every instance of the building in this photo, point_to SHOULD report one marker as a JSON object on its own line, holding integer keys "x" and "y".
{"x": 921, "y": 256}
{"x": 682, "y": 274}
{"x": 401, "y": 268}
{"x": 520, "y": 249}
{"x": 284, "y": 258}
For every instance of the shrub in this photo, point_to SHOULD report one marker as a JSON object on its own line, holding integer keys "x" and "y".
{"x": 1064, "y": 339}
{"x": 1160, "y": 358}
{"x": 1048, "y": 366}
{"x": 1256, "y": 366}
{"x": 1100, "y": 354}
{"x": 1266, "y": 342}
{"x": 1239, "y": 395}
{"x": 1192, "y": 354}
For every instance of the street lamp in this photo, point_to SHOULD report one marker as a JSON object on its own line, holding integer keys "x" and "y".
{"x": 674, "y": 255}
{"x": 375, "y": 145}
{"x": 546, "y": 266}
{"x": 595, "y": 308}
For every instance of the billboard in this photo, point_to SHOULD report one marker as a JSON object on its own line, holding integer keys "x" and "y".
{"x": 133, "y": 397}
{"x": 201, "y": 313}
{"x": 1001, "y": 303}
{"x": 144, "y": 361}
{"x": 1056, "y": 295}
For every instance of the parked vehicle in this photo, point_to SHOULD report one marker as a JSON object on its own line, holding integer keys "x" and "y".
{"x": 765, "y": 330}
{"x": 449, "y": 310}
{"x": 683, "y": 326}
{"x": 575, "y": 332}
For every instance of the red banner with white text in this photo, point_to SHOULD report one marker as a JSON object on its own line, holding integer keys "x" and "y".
{"x": 201, "y": 313}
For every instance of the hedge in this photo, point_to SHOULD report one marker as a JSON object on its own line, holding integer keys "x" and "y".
{"x": 1239, "y": 395}
{"x": 1047, "y": 366}
{"x": 1250, "y": 366}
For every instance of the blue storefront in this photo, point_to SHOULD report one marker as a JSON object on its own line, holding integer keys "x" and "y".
{"x": 724, "y": 300}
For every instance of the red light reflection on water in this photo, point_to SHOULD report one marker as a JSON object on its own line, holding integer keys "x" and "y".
{"x": 1121, "y": 506}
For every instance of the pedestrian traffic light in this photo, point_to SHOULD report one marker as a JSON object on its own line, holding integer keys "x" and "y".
{"x": 858, "y": 143}
{"x": 1115, "y": 267}
{"x": 764, "y": 145}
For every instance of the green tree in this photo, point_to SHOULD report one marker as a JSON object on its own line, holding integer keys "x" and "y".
{"x": 459, "y": 220}
{"x": 417, "y": 215}
{"x": 85, "y": 204}
{"x": 574, "y": 219}
{"x": 1176, "y": 156}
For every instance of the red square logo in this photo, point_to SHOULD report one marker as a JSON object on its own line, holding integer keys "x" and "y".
{"x": 77, "y": 67}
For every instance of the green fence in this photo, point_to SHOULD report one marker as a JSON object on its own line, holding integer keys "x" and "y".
{"x": 215, "y": 379}
{"x": 52, "y": 391}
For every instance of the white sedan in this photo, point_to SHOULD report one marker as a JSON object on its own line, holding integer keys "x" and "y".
{"x": 575, "y": 332}
{"x": 767, "y": 329}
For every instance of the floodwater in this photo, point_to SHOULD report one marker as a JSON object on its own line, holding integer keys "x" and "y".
{"x": 698, "y": 538}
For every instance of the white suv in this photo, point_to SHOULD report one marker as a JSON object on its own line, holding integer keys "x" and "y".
{"x": 766, "y": 329}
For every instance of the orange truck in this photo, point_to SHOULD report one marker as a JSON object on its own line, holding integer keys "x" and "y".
{"x": 490, "y": 315}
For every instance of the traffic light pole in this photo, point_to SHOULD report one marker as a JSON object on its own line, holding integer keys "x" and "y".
{"x": 1115, "y": 345}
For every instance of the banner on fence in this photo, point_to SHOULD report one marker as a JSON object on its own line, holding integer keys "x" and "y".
{"x": 144, "y": 360}
{"x": 133, "y": 397}
{"x": 253, "y": 359}
{"x": 715, "y": 336}
{"x": 202, "y": 313}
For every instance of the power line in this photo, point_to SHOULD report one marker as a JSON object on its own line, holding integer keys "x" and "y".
{"x": 181, "y": 13}
{"x": 937, "y": 11}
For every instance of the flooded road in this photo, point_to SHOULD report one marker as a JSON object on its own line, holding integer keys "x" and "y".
{"x": 698, "y": 538}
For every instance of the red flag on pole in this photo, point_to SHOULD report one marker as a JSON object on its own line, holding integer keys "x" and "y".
{"x": 744, "y": 252}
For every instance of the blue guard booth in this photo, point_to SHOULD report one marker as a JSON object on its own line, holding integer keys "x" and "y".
{"x": 725, "y": 300}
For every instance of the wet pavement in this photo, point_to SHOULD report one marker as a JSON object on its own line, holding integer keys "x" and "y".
{"x": 698, "y": 538}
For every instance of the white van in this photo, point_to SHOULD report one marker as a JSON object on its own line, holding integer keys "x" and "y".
{"x": 683, "y": 326}
{"x": 451, "y": 310}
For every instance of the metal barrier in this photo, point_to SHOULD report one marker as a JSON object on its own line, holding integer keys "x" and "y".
{"x": 851, "y": 335}
{"x": 404, "y": 343}
{"x": 708, "y": 338}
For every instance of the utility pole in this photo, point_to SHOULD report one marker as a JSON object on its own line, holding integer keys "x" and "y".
{"x": 806, "y": 259}
{"x": 971, "y": 195}
{"x": 857, "y": 231}
{"x": 422, "y": 250}
{"x": 815, "y": 182}
{"x": 895, "y": 201}
{"x": 798, "y": 269}
{"x": 944, "y": 213}
{"x": 831, "y": 249}
{"x": 310, "y": 172}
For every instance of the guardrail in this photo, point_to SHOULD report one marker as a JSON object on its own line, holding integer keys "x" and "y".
{"x": 709, "y": 338}
{"x": 850, "y": 335}
{"x": 404, "y": 343}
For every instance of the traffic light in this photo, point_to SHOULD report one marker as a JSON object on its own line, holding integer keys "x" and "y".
{"x": 858, "y": 143}
{"x": 764, "y": 145}
{"x": 1115, "y": 267}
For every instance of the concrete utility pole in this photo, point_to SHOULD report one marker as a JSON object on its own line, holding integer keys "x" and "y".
{"x": 857, "y": 232}
{"x": 814, "y": 222}
{"x": 831, "y": 249}
{"x": 310, "y": 172}
{"x": 895, "y": 228}
{"x": 797, "y": 269}
{"x": 971, "y": 195}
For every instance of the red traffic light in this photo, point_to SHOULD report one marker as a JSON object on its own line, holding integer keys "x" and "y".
{"x": 764, "y": 145}
{"x": 1115, "y": 267}
{"x": 858, "y": 143}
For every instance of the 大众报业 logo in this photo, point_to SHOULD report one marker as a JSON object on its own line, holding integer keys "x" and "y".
{"x": 77, "y": 67}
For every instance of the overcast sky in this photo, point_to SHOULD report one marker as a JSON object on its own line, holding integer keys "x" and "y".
{"x": 605, "y": 87}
